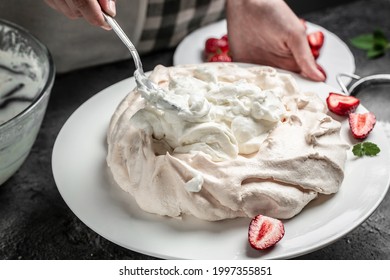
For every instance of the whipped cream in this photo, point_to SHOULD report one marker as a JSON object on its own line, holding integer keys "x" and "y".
{"x": 219, "y": 118}
{"x": 20, "y": 83}
{"x": 247, "y": 141}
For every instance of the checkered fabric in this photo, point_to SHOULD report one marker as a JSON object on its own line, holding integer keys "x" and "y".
{"x": 169, "y": 21}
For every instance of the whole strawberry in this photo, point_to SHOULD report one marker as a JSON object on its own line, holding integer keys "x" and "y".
{"x": 264, "y": 232}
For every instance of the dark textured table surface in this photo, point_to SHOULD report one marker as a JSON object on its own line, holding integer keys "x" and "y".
{"x": 35, "y": 222}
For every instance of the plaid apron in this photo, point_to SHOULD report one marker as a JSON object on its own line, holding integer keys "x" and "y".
{"x": 169, "y": 21}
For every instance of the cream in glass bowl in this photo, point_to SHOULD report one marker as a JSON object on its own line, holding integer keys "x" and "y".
{"x": 26, "y": 77}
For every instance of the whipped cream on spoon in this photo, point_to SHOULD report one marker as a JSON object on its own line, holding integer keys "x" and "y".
{"x": 151, "y": 92}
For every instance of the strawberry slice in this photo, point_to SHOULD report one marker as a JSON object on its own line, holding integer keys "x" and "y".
{"x": 316, "y": 39}
{"x": 315, "y": 52}
{"x": 341, "y": 104}
{"x": 213, "y": 45}
{"x": 361, "y": 124}
{"x": 265, "y": 232}
{"x": 220, "y": 57}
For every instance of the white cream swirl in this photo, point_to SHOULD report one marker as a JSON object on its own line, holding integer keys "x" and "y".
{"x": 219, "y": 118}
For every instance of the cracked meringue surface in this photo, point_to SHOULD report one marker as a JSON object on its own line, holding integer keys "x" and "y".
{"x": 248, "y": 141}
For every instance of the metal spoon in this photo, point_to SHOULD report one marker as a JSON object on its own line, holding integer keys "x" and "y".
{"x": 149, "y": 90}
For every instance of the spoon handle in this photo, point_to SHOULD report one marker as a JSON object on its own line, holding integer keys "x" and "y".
{"x": 122, "y": 35}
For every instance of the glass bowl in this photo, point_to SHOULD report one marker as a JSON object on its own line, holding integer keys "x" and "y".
{"x": 26, "y": 78}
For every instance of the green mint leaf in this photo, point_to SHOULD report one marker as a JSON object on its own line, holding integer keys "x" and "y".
{"x": 379, "y": 35}
{"x": 365, "y": 149}
{"x": 380, "y": 40}
{"x": 357, "y": 150}
{"x": 364, "y": 41}
{"x": 374, "y": 53}
{"x": 374, "y": 44}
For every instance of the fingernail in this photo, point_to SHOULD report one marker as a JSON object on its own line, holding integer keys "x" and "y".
{"x": 112, "y": 7}
{"x": 106, "y": 27}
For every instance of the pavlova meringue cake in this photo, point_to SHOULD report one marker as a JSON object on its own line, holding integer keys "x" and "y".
{"x": 248, "y": 141}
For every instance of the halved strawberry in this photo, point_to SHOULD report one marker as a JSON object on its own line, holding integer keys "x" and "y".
{"x": 361, "y": 124}
{"x": 220, "y": 57}
{"x": 315, "y": 52}
{"x": 316, "y": 39}
{"x": 212, "y": 45}
{"x": 341, "y": 104}
{"x": 225, "y": 37}
{"x": 265, "y": 232}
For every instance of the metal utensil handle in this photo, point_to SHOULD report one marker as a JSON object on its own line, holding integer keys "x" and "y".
{"x": 149, "y": 90}
{"x": 377, "y": 78}
{"x": 372, "y": 79}
{"x": 122, "y": 35}
{"x": 341, "y": 83}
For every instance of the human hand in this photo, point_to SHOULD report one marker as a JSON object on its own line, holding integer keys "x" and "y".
{"x": 269, "y": 33}
{"x": 90, "y": 10}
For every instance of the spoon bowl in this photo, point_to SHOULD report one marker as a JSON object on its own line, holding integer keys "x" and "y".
{"x": 151, "y": 92}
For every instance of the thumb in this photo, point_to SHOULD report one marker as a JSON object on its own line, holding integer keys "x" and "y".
{"x": 108, "y": 6}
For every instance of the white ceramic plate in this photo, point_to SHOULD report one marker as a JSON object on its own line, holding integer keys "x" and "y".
{"x": 79, "y": 169}
{"x": 335, "y": 55}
